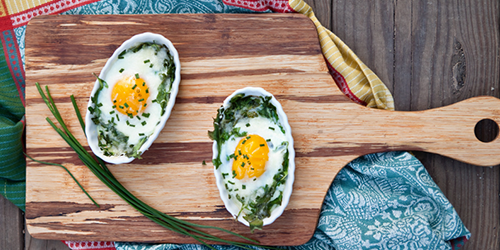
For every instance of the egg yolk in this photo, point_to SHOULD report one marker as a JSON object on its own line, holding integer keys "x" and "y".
{"x": 251, "y": 156}
{"x": 130, "y": 95}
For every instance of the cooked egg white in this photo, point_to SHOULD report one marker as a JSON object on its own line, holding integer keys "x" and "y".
{"x": 133, "y": 85}
{"x": 255, "y": 158}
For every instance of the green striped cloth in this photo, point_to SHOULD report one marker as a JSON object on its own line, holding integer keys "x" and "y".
{"x": 12, "y": 162}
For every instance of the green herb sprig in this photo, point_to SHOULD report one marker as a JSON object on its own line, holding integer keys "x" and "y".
{"x": 101, "y": 171}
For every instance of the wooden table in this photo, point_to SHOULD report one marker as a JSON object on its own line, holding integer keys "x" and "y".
{"x": 429, "y": 55}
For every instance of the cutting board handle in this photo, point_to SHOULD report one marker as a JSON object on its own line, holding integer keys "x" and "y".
{"x": 447, "y": 131}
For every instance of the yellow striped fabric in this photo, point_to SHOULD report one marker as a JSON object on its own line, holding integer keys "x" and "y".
{"x": 362, "y": 81}
{"x": 16, "y": 6}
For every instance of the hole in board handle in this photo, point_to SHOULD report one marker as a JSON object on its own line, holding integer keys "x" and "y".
{"x": 486, "y": 130}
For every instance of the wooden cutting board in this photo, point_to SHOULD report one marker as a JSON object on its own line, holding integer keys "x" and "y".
{"x": 219, "y": 54}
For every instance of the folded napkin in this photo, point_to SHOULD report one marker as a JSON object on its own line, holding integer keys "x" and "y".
{"x": 378, "y": 201}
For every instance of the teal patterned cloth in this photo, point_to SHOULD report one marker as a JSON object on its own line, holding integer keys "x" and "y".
{"x": 378, "y": 201}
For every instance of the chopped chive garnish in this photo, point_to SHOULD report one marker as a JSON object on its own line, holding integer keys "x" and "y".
{"x": 138, "y": 118}
{"x": 234, "y": 173}
{"x": 239, "y": 152}
{"x": 141, "y": 134}
{"x": 248, "y": 137}
{"x": 111, "y": 112}
{"x": 248, "y": 124}
{"x": 144, "y": 123}
{"x": 243, "y": 187}
{"x": 203, "y": 163}
{"x": 268, "y": 140}
{"x": 242, "y": 164}
{"x": 130, "y": 115}
{"x": 147, "y": 90}
{"x": 135, "y": 86}
{"x": 145, "y": 115}
{"x": 99, "y": 105}
{"x": 151, "y": 65}
{"x": 143, "y": 83}
{"x": 224, "y": 175}
{"x": 154, "y": 100}
{"x": 141, "y": 99}
{"x": 120, "y": 56}
{"x": 145, "y": 104}
{"x": 262, "y": 145}
{"x": 121, "y": 107}
{"x": 117, "y": 118}
{"x": 114, "y": 101}
{"x": 146, "y": 61}
{"x": 114, "y": 106}
{"x": 271, "y": 128}
{"x": 230, "y": 182}
{"x": 229, "y": 196}
{"x": 254, "y": 179}
{"x": 121, "y": 70}
{"x": 136, "y": 76}
{"x": 243, "y": 142}
{"x": 126, "y": 105}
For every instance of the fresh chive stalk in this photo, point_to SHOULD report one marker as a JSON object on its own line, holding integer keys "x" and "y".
{"x": 101, "y": 171}
{"x": 70, "y": 174}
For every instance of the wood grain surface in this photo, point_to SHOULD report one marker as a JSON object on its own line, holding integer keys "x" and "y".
{"x": 219, "y": 54}
{"x": 236, "y": 52}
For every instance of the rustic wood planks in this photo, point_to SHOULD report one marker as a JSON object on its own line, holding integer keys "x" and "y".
{"x": 413, "y": 48}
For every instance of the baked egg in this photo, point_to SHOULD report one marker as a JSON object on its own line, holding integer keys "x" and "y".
{"x": 253, "y": 157}
{"x": 132, "y": 98}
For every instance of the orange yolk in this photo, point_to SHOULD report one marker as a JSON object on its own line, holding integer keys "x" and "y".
{"x": 251, "y": 156}
{"x": 130, "y": 95}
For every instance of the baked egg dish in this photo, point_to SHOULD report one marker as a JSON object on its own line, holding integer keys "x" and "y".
{"x": 132, "y": 98}
{"x": 253, "y": 157}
